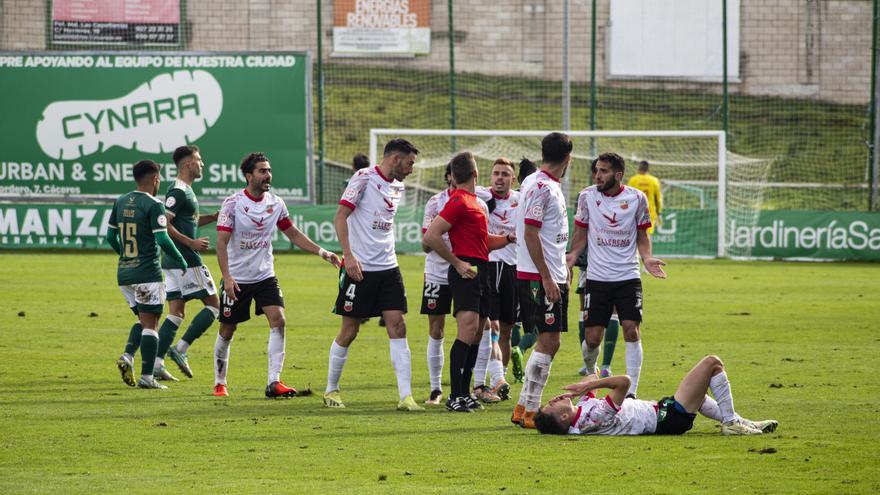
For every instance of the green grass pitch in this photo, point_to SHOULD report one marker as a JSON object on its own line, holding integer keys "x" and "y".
{"x": 800, "y": 341}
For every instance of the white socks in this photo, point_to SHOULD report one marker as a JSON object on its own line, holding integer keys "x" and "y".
{"x": 537, "y": 372}
{"x": 720, "y": 388}
{"x": 402, "y": 361}
{"x": 496, "y": 372}
{"x": 338, "y": 356}
{"x": 435, "y": 362}
{"x": 591, "y": 355}
{"x": 483, "y": 358}
{"x": 710, "y": 409}
{"x": 634, "y": 364}
{"x": 276, "y": 354}
{"x": 221, "y": 359}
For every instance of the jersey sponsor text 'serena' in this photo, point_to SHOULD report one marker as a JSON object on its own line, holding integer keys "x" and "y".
{"x": 252, "y": 222}
{"x": 602, "y": 417}
{"x": 373, "y": 199}
{"x": 542, "y": 204}
{"x": 612, "y": 223}
{"x": 502, "y": 221}
{"x": 436, "y": 268}
{"x": 137, "y": 216}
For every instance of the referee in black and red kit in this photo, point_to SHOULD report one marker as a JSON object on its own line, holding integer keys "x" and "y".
{"x": 466, "y": 218}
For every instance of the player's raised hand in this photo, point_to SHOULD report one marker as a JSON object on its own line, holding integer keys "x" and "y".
{"x": 654, "y": 266}
{"x": 353, "y": 268}
{"x": 465, "y": 270}
{"x": 200, "y": 244}
{"x": 551, "y": 290}
{"x": 230, "y": 288}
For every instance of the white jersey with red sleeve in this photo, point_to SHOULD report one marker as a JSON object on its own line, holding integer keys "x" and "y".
{"x": 436, "y": 268}
{"x": 252, "y": 222}
{"x": 542, "y": 204}
{"x": 502, "y": 221}
{"x": 602, "y": 417}
{"x": 373, "y": 199}
{"x": 612, "y": 223}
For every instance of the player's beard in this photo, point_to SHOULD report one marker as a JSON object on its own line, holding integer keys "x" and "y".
{"x": 608, "y": 185}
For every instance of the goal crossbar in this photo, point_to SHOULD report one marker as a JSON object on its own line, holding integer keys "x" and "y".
{"x": 719, "y": 136}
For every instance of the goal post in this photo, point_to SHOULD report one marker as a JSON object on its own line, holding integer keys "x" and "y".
{"x": 691, "y": 165}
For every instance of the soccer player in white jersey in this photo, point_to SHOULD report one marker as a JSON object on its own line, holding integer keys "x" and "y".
{"x": 436, "y": 296}
{"x": 612, "y": 219}
{"x": 616, "y": 414}
{"x": 371, "y": 284}
{"x": 494, "y": 353}
{"x": 541, "y": 272}
{"x": 245, "y": 227}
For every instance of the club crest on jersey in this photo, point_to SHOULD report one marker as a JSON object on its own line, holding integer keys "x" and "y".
{"x": 432, "y": 304}
{"x": 269, "y": 209}
{"x": 549, "y": 318}
{"x": 227, "y": 311}
{"x": 347, "y": 306}
{"x": 623, "y": 205}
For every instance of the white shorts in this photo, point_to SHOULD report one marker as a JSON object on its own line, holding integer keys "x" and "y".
{"x": 144, "y": 298}
{"x": 196, "y": 284}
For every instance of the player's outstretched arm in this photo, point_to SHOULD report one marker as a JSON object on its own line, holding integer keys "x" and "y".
{"x": 500, "y": 241}
{"x": 170, "y": 249}
{"x": 112, "y": 238}
{"x": 303, "y": 242}
{"x": 578, "y": 242}
{"x": 653, "y": 265}
{"x": 210, "y": 218}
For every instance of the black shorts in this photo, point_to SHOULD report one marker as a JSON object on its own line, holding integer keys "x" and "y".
{"x": 602, "y": 297}
{"x": 263, "y": 293}
{"x": 377, "y": 292}
{"x": 436, "y": 299}
{"x": 471, "y": 294}
{"x": 536, "y": 311}
{"x": 502, "y": 292}
{"x": 672, "y": 417}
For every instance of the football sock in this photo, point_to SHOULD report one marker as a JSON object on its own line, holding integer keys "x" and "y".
{"x": 484, "y": 349}
{"x": 435, "y": 362}
{"x": 633, "y": 364}
{"x": 710, "y": 409}
{"x": 134, "y": 339}
{"x": 401, "y": 358}
{"x": 582, "y": 327}
{"x": 338, "y": 356}
{"x": 496, "y": 372}
{"x": 528, "y": 340}
{"x": 591, "y": 355}
{"x": 149, "y": 343}
{"x": 611, "y": 332}
{"x": 468, "y": 370}
{"x": 537, "y": 372}
{"x": 166, "y": 337}
{"x": 457, "y": 359}
{"x": 515, "y": 335}
{"x": 221, "y": 359}
{"x": 276, "y": 354}
{"x": 720, "y": 388}
{"x": 203, "y": 320}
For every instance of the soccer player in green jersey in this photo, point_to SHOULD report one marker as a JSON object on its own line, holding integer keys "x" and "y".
{"x": 182, "y": 212}
{"x": 137, "y": 228}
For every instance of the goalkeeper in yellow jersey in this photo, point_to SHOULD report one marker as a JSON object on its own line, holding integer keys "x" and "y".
{"x": 650, "y": 185}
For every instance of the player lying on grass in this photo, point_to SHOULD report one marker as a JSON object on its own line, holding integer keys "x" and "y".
{"x": 615, "y": 414}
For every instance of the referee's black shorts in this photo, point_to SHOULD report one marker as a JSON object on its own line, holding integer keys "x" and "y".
{"x": 471, "y": 294}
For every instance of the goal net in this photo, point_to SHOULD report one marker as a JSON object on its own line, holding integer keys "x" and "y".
{"x": 706, "y": 190}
